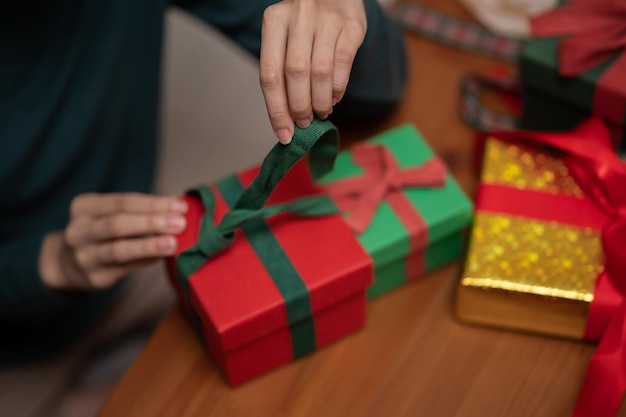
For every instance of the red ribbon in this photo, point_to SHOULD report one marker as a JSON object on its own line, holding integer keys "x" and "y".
{"x": 540, "y": 205}
{"x": 594, "y": 30}
{"x": 382, "y": 177}
{"x": 601, "y": 175}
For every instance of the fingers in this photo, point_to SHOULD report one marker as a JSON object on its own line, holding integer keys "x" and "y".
{"x": 86, "y": 230}
{"x": 111, "y": 231}
{"x": 120, "y": 252}
{"x": 109, "y": 236}
{"x": 142, "y": 228}
{"x": 100, "y": 265}
{"x": 105, "y": 277}
{"x": 322, "y": 68}
{"x": 347, "y": 46}
{"x": 298, "y": 72}
{"x": 272, "y": 68}
{"x": 94, "y": 205}
{"x": 307, "y": 52}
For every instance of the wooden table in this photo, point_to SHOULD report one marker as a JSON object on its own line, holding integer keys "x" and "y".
{"x": 413, "y": 358}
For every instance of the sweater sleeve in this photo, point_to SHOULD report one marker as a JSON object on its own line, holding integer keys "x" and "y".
{"x": 36, "y": 320}
{"x": 20, "y": 283}
{"x": 379, "y": 71}
{"x": 24, "y": 299}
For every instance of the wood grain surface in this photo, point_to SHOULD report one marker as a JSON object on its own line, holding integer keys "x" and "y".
{"x": 413, "y": 358}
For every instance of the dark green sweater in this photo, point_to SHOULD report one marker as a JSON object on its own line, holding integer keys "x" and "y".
{"x": 79, "y": 91}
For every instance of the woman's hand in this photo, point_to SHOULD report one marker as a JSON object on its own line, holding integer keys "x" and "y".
{"x": 307, "y": 51}
{"x": 107, "y": 237}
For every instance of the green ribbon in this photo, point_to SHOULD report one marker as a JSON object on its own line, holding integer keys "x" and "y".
{"x": 321, "y": 141}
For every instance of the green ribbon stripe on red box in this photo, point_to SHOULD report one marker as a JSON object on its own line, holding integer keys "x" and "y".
{"x": 279, "y": 267}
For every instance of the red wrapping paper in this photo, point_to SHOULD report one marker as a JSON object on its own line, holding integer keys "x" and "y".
{"x": 243, "y": 314}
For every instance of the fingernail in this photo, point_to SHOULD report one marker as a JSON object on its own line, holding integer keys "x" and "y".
{"x": 284, "y": 136}
{"x": 176, "y": 223}
{"x": 335, "y": 100}
{"x": 179, "y": 206}
{"x": 167, "y": 244}
{"x": 303, "y": 123}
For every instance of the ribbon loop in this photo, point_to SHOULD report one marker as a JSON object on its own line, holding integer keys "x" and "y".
{"x": 320, "y": 140}
{"x": 361, "y": 196}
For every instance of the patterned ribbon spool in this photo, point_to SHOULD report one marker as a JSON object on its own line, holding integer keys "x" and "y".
{"x": 453, "y": 32}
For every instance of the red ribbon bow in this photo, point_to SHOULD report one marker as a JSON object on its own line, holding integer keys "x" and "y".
{"x": 594, "y": 31}
{"x": 360, "y": 196}
{"x": 601, "y": 175}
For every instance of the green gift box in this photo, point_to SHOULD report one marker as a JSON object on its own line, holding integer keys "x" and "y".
{"x": 407, "y": 211}
{"x": 553, "y": 101}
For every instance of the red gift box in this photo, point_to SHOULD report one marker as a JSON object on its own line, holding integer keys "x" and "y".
{"x": 285, "y": 286}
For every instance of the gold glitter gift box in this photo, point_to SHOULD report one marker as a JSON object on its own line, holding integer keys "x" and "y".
{"x": 524, "y": 272}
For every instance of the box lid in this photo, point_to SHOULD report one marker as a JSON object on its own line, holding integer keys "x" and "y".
{"x": 446, "y": 210}
{"x": 236, "y": 295}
